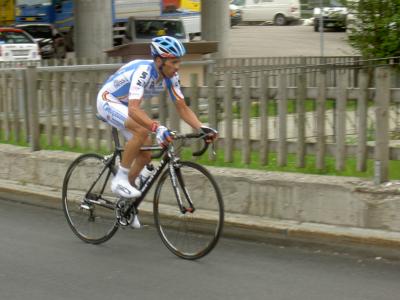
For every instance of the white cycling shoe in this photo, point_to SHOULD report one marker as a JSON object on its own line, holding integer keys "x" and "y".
{"x": 122, "y": 187}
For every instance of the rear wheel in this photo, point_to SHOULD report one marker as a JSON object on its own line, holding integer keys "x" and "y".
{"x": 189, "y": 234}
{"x": 88, "y": 202}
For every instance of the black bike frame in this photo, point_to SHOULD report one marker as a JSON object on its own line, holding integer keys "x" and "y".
{"x": 149, "y": 183}
{"x": 153, "y": 178}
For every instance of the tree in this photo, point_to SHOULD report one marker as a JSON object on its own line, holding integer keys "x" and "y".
{"x": 376, "y": 30}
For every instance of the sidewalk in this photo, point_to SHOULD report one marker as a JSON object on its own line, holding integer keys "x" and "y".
{"x": 376, "y": 243}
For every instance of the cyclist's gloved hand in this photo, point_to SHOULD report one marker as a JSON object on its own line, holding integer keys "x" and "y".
{"x": 163, "y": 136}
{"x": 210, "y": 132}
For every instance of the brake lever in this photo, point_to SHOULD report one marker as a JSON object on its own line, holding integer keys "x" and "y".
{"x": 173, "y": 134}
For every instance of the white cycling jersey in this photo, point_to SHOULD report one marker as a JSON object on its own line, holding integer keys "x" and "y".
{"x": 135, "y": 80}
{"x": 138, "y": 80}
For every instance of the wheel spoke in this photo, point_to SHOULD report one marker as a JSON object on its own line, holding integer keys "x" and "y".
{"x": 190, "y": 235}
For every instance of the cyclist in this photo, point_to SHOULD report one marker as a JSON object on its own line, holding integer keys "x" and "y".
{"x": 118, "y": 102}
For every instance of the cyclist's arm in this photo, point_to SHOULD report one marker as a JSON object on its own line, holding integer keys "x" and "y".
{"x": 138, "y": 114}
{"x": 183, "y": 110}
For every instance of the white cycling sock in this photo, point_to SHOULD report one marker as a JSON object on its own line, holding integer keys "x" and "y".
{"x": 122, "y": 172}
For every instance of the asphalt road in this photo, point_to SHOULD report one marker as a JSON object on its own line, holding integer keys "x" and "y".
{"x": 264, "y": 41}
{"x": 41, "y": 259}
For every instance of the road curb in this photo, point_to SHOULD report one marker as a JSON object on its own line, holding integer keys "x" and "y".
{"x": 283, "y": 232}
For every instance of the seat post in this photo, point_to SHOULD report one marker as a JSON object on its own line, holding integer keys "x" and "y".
{"x": 115, "y": 138}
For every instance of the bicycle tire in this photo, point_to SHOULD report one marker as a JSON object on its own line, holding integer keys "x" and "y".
{"x": 189, "y": 235}
{"x": 97, "y": 222}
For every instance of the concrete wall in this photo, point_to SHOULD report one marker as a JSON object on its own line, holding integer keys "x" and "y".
{"x": 332, "y": 200}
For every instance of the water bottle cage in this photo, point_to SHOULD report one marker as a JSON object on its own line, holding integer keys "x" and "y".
{"x": 142, "y": 181}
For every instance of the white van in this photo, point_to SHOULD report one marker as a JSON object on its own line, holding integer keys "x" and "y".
{"x": 279, "y": 12}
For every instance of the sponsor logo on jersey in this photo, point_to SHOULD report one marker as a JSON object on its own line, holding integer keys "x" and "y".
{"x": 119, "y": 82}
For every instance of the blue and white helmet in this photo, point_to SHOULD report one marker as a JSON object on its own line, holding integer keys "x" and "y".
{"x": 167, "y": 47}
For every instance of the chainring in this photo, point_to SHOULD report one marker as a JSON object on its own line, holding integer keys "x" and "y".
{"x": 121, "y": 210}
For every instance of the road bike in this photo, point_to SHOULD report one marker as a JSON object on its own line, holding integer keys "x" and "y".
{"x": 187, "y": 206}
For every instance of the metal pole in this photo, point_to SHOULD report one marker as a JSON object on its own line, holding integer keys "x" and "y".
{"x": 321, "y": 27}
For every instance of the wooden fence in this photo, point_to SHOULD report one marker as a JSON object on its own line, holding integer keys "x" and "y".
{"x": 283, "y": 112}
{"x": 254, "y": 65}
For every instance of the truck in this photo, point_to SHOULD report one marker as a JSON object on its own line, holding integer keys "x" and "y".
{"x": 192, "y": 5}
{"x": 7, "y": 12}
{"x": 143, "y": 29}
{"x": 60, "y": 14}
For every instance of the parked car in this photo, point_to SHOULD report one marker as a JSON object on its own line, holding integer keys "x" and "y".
{"x": 333, "y": 15}
{"x": 17, "y": 45}
{"x": 279, "y": 12}
{"x": 51, "y": 41}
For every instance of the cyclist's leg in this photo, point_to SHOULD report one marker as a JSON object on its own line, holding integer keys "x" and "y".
{"x": 143, "y": 158}
{"x": 113, "y": 112}
{"x": 141, "y": 137}
{"x": 116, "y": 115}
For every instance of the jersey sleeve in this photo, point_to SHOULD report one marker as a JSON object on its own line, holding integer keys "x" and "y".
{"x": 140, "y": 78}
{"x": 174, "y": 88}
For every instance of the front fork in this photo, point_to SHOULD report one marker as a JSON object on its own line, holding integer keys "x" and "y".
{"x": 176, "y": 177}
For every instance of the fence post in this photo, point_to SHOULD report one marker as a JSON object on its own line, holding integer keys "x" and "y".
{"x": 228, "y": 141}
{"x": 59, "y": 107}
{"x": 162, "y": 98}
{"x": 382, "y": 101}
{"x": 93, "y": 104}
{"x": 69, "y": 97}
{"x": 3, "y": 97}
{"x": 341, "y": 119}
{"x": 212, "y": 104}
{"x": 282, "y": 116}
{"x": 362, "y": 111}
{"x": 21, "y": 96}
{"x": 321, "y": 99}
{"x": 264, "y": 101}
{"x": 194, "y": 102}
{"x": 15, "y": 106}
{"x": 82, "y": 88}
{"x": 174, "y": 120}
{"x": 301, "y": 119}
{"x": 5, "y": 108}
{"x": 245, "y": 113}
{"x": 31, "y": 80}
{"x": 47, "y": 102}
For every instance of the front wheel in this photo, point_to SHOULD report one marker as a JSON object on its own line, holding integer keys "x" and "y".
{"x": 88, "y": 202}
{"x": 193, "y": 232}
